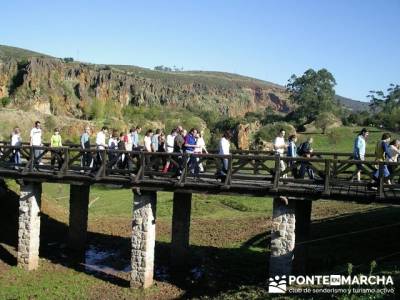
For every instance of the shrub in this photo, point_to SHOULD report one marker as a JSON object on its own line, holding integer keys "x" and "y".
{"x": 270, "y": 131}
{"x": 5, "y": 101}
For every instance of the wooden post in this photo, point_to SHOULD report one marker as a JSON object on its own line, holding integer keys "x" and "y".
{"x": 327, "y": 190}
{"x": 381, "y": 179}
{"x": 277, "y": 172}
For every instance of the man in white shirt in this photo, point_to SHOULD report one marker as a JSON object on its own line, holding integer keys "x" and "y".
{"x": 101, "y": 143}
{"x": 36, "y": 140}
{"x": 280, "y": 147}
{"x": 224, "y": 149}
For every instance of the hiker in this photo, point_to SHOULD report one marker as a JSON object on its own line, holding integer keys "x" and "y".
{"x": 135, "y": 138}
{"x": 122, "y": 157}
{"x": 224, "y": 149}
{"x": 101, "y": 143}
{"x": 16, "y": 141}
{"x": 56, "y": 154}
{"x": 127, "y": 139}
{"x": 147, "y": 146}
{"x": 112, "y": 146}
{"x": 359, "y": 150}
{"x": 305, "y": 150}
{"x": 382, "y": 153}
{"x": 190, "y": 146}
{"x": 169, "y": 147}
{"x": 201, "y": 147}
{"x": 87, "y": 161}
{"x": 394, "y": 150}
{"x": 154, "y": 140}
{"x": 36, "y": 141}
{"x": 179, "y": 142}
{"x": 161, "y": 149}
{"x": 292, "y": 152}
{"x": 280, "y": 147}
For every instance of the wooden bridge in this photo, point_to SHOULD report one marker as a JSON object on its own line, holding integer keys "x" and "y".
{"x": 253, "y": 173}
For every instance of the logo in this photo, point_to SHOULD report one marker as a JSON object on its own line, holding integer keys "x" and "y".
{"x": 277, "y": 285}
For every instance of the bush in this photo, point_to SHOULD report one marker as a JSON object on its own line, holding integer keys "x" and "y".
{"x": 270, "y": 131}
{"x": 5, "y": 101}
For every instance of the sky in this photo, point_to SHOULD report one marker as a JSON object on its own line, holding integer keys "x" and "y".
{"x": 358, "y": 41}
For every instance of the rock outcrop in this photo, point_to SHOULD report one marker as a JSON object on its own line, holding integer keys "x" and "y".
{"x": 51, "y": 85}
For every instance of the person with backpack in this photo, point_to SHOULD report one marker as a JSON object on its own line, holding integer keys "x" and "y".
{"x": 359, "y": 150}
{"x": 382, "y": 153}
{"x": 306, "y": 150}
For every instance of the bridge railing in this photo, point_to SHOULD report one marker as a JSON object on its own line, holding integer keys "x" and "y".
{"x": 241, "y": 169}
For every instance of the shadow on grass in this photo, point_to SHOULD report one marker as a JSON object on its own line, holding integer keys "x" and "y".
{"x": 212, "y": 270}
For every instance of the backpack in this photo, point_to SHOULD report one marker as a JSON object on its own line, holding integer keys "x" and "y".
{"x": 300, "y": 150}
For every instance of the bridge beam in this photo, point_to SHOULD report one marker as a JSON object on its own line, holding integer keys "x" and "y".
{"x": 143, "y": 239}
{"x": 282, "y": 237}
{"x": 78, "y": 217}
{"x": 29, "y": 226}
{"x": 182, "y": 204}
{"x": 303, "y": 224}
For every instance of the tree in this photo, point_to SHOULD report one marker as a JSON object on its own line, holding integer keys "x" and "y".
{"x": 324, "y": 120}
{"x": 313, "y": 92}
{"x": 387, "y": 106}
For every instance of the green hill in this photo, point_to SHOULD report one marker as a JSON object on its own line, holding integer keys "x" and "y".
{"x": 18, "y": 53}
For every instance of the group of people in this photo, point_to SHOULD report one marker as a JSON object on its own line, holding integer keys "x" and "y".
{"x": 386, "y": 150}
{"x": 180, "y": 141}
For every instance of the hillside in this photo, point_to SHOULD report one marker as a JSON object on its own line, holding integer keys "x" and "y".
{"x": 353, "y": 105}
{"x": 50, "y": 85}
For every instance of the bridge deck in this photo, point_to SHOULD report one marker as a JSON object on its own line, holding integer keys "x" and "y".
{"x": 257, "y": 174}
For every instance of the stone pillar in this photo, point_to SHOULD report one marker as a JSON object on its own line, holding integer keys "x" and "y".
{"x": 78, "y": 217}
{"x": 182, "y": 204}
{"x": 143, "y": 239}
{"x": 282, "y": 237}
{"x": 303, "y": 224}
{"x": 29, "y": 226}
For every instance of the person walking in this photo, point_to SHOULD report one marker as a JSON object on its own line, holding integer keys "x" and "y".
{"x": 36, "y": 141}
{"x": 136, "y": 138}
{"x": 112, "y": 147}
{"x": 201, "y": 148}
{"x": 169, "y": 147}
{"x": 382, "y": 154}
{"x": 16, "y": 141}
{"x": 147, "y": 147}
{"x": 56, "y": 154}
{"x": 224, "y": 149}
{"x": 359, "y": 149}
{"x": 306, "y": 150}
{"x": 190, "y": 146}
{"x": 292, "y": 152}
{"x": 87, "y": 159}
{"x": 394, "y": 150}
{"x": 179, "y": 143}
{"x": 101, "y": 144}
{"x": 280, "y": 147}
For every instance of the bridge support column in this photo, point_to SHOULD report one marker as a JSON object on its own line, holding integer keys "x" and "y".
{"x": 282, "y": 237}
{"x": 303, "y": 224}
{"x": 143, "y": 239}
{"x": 29, "y": 226}
{"x": 182, "y": 204}
{"x": 78, "y": 217}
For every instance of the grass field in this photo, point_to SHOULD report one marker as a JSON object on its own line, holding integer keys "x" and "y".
{"x": 229, "y": 240}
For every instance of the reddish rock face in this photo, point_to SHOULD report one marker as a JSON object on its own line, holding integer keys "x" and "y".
{"x": 67, "y": 87}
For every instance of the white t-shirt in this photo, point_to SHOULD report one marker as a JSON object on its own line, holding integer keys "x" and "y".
{"x": 279, "y": 142}
{"x": 128, "y": 144}
{"x": 224, "y": 146}
{"x": 101, "y": 140}
{"x": 201, "y": 145}
{"x": 36, "y": 136}
{"x": 169, "y": 145}
{"x": 147, "y": 143}
{"x": 15, "y": 140}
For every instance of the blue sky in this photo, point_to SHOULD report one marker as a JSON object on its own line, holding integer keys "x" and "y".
{"x": 358, "y": 41}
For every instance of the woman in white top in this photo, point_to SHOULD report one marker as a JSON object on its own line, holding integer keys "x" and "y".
{"x": 201, "y": 148}
{"x": 169, "y": 148}
{"x": 16, "y": 141}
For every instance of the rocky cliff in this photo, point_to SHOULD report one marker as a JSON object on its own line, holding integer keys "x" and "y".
{"x": 51, "y": 85}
